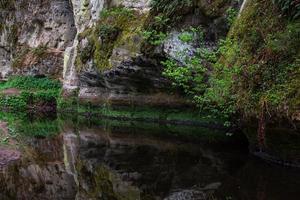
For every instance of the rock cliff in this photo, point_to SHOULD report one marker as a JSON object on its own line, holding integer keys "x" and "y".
{"x": 237, "y": 60}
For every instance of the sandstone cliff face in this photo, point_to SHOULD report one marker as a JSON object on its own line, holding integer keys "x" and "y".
{"x": 34, "y": 35}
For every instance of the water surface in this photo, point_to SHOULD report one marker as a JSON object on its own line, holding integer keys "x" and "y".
{"x": 58, "y": 159}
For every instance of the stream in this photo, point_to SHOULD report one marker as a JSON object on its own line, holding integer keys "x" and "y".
{"x": 66, "y": 158}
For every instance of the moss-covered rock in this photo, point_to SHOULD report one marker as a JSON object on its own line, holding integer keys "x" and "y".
{"x": 261, "y": 59}
{"x": 118, "y": 27}
{"x": 268, "y": 59}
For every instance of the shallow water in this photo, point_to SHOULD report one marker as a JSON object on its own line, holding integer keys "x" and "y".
{"x": 112, "y": 160}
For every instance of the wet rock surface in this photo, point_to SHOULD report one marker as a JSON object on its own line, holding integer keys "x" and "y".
{"x": 137, "y": 82}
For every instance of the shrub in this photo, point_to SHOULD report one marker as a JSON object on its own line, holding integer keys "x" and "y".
{"x": 289, "y": 7}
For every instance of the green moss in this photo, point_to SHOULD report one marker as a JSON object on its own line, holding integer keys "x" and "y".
{"x": 115, "y": 26}
{"x": 268, "y": 46}
{"x": 70, "y": 102}
{"x": 213, "y": 8}
{"x": 289, "y": 7}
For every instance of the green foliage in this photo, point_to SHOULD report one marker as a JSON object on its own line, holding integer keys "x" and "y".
{"x": 161, "y": 21}
{"x": 68, "y": 103}
{"x": 37, "y": 128}
{"x": 155, "y": 34}
{"x": 30, "y": 83}
{"x": 163, "y": 15}
{"x": 14, "y": 103}
{"x": 189, "y": 77}
{"x": 107, "y": 32}
{"x": 169, "y": 7}
{"x": 206, "y": 81}
{"x": 289, "y": 7}
{"x": 153, "y": 37}
{"x": 231, "y": 15}
{"x": 102, "y": 38}
{"x": 186, "y": 37}
{"x": 265, "y": 49}
{"x": 218, "y": 98}
{"x": 32, "y": 91}
{"x": 20, "y": 126}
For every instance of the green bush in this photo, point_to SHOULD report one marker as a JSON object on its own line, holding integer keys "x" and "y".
{"x": 169, "y": 7}
{"x": 231, "y": 15}
{"x": 186, "y": 37}
{"x": 32, "y": 90}
{"x": 30, "y": 83}
{"x": 289, "y": 7}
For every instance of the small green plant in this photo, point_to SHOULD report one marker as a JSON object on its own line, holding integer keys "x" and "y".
{"x": 30, "y": 83}
{"x": 231, "y": 15}
{"x": 32, "y": 90}
{"x": 186, "y": 37}
{"x": 154, "y": 37}
{"x": 4, "y": 140}
{"x": 107, "y": 32}
{"x": 207, "y": 82}
{"x": 161, "y": 21}
{"x": 289, "y": 7}
{"x": 169, "y": 7}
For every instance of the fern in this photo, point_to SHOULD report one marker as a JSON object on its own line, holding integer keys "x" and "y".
{"x": 289, "y": 7}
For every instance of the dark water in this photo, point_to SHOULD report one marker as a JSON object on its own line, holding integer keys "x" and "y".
{"x": 113, "y": 160}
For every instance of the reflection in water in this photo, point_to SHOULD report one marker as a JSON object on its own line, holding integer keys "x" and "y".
{"x": 112, "y": 160}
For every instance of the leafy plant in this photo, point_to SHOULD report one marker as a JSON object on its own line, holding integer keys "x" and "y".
{"x": 154, "y": 37}
{"x": 186, "y": 37}
{"x": 32, "y": 90}
{"x": 289, "y": 7}
{"x": 231, "y": 15}
{"x": 169, "y": 7}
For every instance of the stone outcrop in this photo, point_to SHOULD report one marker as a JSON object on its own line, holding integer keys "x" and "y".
{"x": 100, "y": 51}
{"x": 122, "y": 69}
{"x": 34, "y": 35}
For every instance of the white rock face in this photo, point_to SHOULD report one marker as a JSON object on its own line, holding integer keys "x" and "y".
{"x": 243, "y": 6}
{"x": 69, "y": 72}
{"x": 140, "y": 5}
{"x": 176, "y": 49}
{"x": 5, "y": 55}
{"x": 32, "y": 24}
{"x": 49, "y": 24}
{"x": 86, "y": 14}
